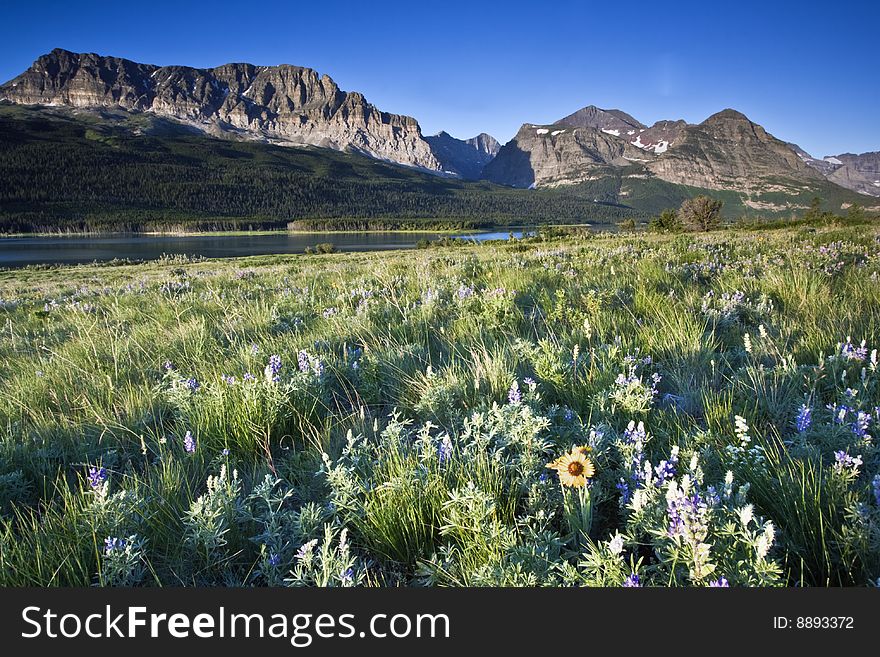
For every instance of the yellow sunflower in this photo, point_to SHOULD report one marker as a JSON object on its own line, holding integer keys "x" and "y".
{"x": 574, "y": 468}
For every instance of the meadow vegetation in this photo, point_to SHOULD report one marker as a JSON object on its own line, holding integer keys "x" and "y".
{"x": 568, "y": 409}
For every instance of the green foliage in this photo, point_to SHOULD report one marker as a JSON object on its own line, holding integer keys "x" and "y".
{"x": 366, "y": 420}
{"x": 700, "y": 213}
{"x": 666, "y": 221}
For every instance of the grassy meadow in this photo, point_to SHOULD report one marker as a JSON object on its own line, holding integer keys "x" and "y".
{"x": 630, "y": 410}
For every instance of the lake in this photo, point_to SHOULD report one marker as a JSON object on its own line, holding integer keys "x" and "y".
{"x": 62, "y": 249}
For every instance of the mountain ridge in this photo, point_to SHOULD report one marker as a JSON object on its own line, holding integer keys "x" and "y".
{"x": 284, "y": 104}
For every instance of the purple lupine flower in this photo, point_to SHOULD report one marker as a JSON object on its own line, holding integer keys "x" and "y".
{"x": 687, "y": 516}
{"x": 249, "y": 377}
{"x": 851, "y": 352}
{"x": 97, "y": 477}
{"x": 665, "y": 470}
{"x": 839, "y": 413}
{"x": 444, "y": 450}
{"x": 273, "y": 368}
{"x": 348, "y": 575}
{"x": 861, "y": 423}
{"x": 843, "y": 461}
{"x": 804, "y": 418}
{"x": 168, "y": 365}
{"x": 632, "y": 581}
{"x": 255, "y": 349}
{"x": 225, "y": 451}
{"x": 465, "y": 291}
{"x": 713, "y": 499}
{"x": 227, "y": 379}
{"x": 720, "y": 583}
{"x": 112, "y": 544}
{"x": 274, "y": 559}
{"x": 303, "y": 361}
{"x": 329, "y": 312}
{"x": 192, "y": 384}
{"x": 189, "y": 443}
{"x": 514, "y": 395}
{"x": 625, "y": 494}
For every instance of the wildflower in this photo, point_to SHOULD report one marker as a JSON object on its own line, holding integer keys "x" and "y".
{"x": 665, "y": 470}
{"x": 632, "y": 581}
{"x": 329, "y": 312}
{"x": 861, "y": 423}
{"x": 850, "y": 352}
{"x": 444, "y": 450}
{"x": 274, "y": 559}
{"x": 225, "y": 451}
{"x": 635, "y": 433}
{"x": 306, "y": 549}
{"x": 514, "y": 395}
{"x": 273, "y": 368}
{"x": 742, "y": 430}
{"x": 97, "y": 477}
{"x": 168, "y": 365}
{"x": 465, "y": 291}
{"x": 687, "y": 516}
{"x": 113, "y": 544}
{"x": 574, "y": 468}
{"x": 844, "y": 462}
{"x": 720, "y": 583}
{"x": 227, "y": 379}
{"x": 255, "y": 349}
{"x": 615, "y": 545}
{"x": 192, "y": 384}
{"x": 347, "y": 576}
{"x": 804, "y": 418}
{"x": 249, "y": 377}
{"x": 625, "y": 493}
{"x": 189, "y": 443}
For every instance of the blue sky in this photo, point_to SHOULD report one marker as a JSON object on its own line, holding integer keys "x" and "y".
{"x": 808, "y": 72}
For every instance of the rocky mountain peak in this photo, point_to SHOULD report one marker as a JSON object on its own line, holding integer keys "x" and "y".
{"x": 727, "y": 115}
{"x": 611, "y": 121}
{"x": 463, "y": 157}
{"x": 285, "y": 104}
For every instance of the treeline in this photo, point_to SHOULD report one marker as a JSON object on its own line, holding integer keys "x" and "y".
{"x": 63, "y": 174}
{"x": 389, "y": 224}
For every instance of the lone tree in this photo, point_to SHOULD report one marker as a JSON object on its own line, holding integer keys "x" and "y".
{"x": 665, "y": 221}
{"x": 700, "y": 213}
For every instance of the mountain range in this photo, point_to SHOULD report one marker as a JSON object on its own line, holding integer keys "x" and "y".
{"x": 604, "y": 154}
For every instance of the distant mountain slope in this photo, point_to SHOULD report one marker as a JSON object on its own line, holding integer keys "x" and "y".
{"x": 284, "y": 104}
{"x": 463, "y": 157}
{"x": 726, "y": 152}
{"x": 66, "y": 169}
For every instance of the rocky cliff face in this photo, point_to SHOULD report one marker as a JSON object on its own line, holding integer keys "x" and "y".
{"x": 857, "y": 172}
{"x": 612, "y": 121}
{"x": 725, "y": 152}
{"x": 285, "y": 104}
{"x": 553, "y": 155}
{"x": 463, "y": 157}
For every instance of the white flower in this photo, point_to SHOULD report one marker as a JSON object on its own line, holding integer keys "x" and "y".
{"x": 615, "y": 545}
{"x": 746, "y": 514}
